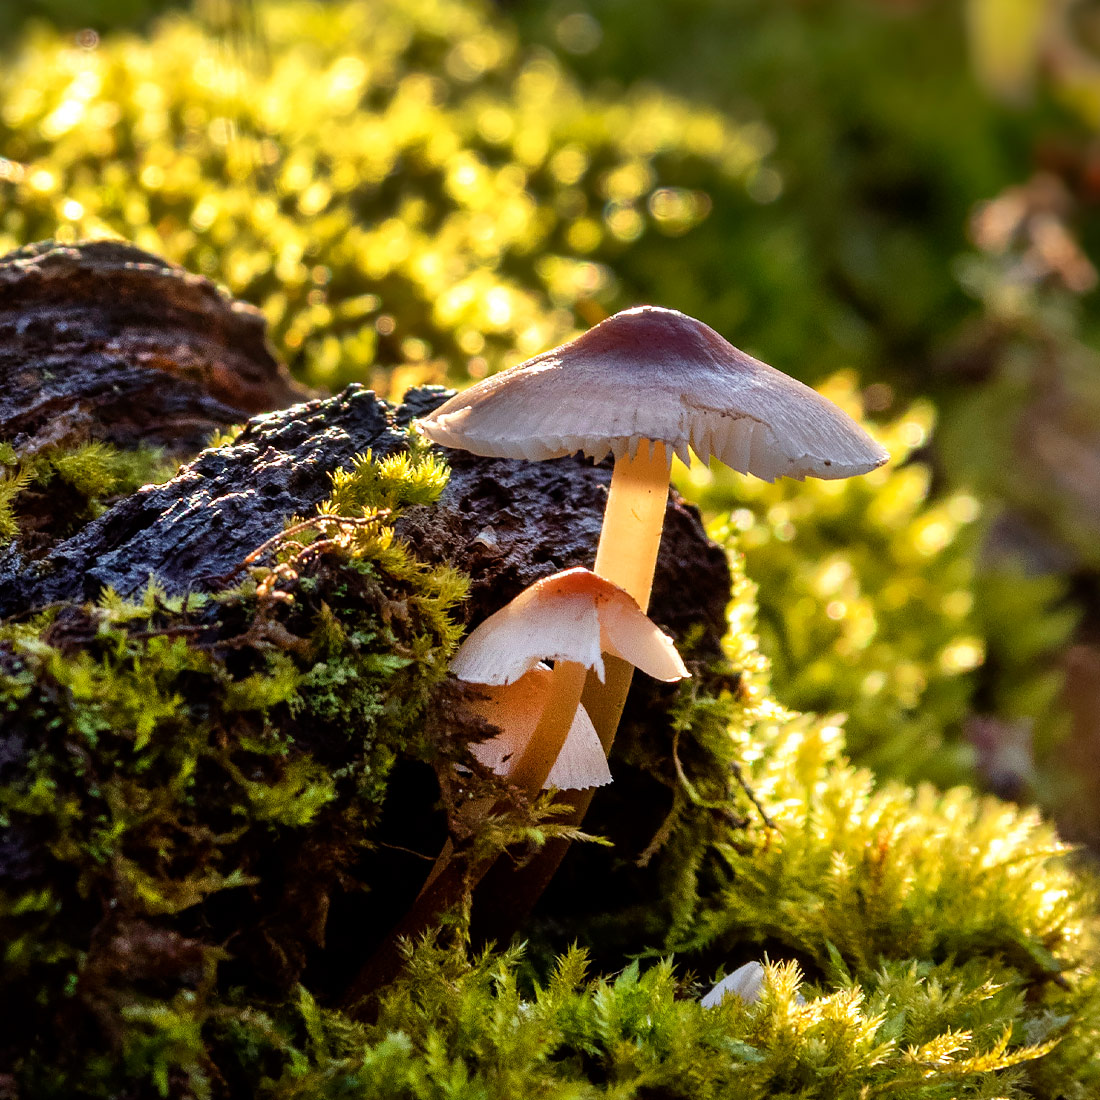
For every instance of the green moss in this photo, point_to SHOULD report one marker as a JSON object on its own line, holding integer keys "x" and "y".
{"x": 873, "y": 604}
{"x": 81, "y": 483}
{"x": 189, "y": 783}
{"x": 455, "y": 1028}
{"x": 396, "y": 185}
{"x": 209, "y": 806}
{"x": 208, "y": 785}
{"x": 946, "y": 936}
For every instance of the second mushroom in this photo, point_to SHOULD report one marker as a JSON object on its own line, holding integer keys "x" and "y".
{"x": 572, "y": 618}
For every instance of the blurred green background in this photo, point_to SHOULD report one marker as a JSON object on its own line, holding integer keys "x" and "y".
{"x": 895, "y": 200}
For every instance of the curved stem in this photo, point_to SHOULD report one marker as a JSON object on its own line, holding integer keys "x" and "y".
{"x": 627, "y": 555}
{"x": 448, "y": 881}
{"x": 530, "y": 768}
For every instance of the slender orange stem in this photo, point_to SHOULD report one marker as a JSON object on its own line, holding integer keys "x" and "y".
{"x": 627, "y": 555}
{"x": 633, "y": 520}
{"x": 531, "y": 767}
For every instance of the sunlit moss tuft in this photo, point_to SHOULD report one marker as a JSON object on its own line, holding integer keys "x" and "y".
{"x": 82, "y": 481}
{"x": 872, "y": 604}
{"x": 391, "y": 183}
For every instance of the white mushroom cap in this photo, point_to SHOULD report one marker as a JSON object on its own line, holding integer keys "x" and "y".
{"x": 515, "y": 709}
{"x": 656, "y": 374}
{"x": 570, "y": 616}
{"x": 745, "y": 982}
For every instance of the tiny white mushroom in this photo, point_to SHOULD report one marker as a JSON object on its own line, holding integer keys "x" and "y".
{"x": 745, "y": 982}
{"x": 571, "y": 618}
{"x": 487, "y": 537}
{"x": 515, "y": 710}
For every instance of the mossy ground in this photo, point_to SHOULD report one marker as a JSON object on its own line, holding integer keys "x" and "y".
{"x": 189, "y": 782}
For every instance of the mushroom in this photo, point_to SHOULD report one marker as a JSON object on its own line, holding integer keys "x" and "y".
{"x": 572, "y": 618}
{"x": 643, "y": 385}
{"x": 746, "y": 982}
{"x": 515, "y": 710}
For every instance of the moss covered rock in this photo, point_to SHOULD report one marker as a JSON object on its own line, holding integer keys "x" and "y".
{"x": 190, "y": 781}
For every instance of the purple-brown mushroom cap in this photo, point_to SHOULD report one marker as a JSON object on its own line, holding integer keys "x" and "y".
{"x": 656, "y": 374}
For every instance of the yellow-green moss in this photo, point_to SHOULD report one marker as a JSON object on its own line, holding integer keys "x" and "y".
{"x": 187, "y": 785}
{"x": 873, "y": 604}
{"x": 192, "y": 790}
{"x": 82, "y": 482}
{"x": 396, "y": 184}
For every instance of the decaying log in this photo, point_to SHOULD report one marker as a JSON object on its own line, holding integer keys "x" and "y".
{"x": 505, "y": 522}
{"x": 192, "y": 531}
{"x": 102, "y": 341}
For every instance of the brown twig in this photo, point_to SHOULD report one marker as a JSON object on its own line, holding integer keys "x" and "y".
{"x": 743, "y": 783}
{"x": 302, "y": 525}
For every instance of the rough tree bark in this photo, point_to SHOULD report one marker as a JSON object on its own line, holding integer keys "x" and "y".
{"x": 102, "y": 341}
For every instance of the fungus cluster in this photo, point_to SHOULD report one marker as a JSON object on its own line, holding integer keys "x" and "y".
{"x": 644, "y": 385}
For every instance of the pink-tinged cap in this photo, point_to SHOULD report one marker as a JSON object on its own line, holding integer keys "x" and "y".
{"x": 570, "y": 616}
{"x": 656, "y": 374}
{"x": 515, "y": 710}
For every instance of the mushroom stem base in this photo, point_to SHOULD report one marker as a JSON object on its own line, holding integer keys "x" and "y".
{"x": 449, "y": 880}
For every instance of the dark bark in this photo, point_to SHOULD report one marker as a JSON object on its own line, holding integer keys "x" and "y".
{"x": 505, "y": 522}
{"x": 194, "y": 530}
{"x": 508, "y": 523}
{"x": 102, "y": 341}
